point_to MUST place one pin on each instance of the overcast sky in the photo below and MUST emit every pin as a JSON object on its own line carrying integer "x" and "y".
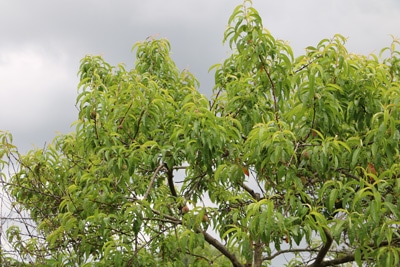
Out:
{"x": 42, "y": 42}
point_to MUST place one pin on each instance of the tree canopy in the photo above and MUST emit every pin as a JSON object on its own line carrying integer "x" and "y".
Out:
{"x": 294, "y": 156}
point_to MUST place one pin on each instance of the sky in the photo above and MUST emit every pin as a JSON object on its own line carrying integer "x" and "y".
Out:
{"x": 43, "y": 41}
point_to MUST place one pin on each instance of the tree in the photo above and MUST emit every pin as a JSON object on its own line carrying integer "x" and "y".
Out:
{"x": 295, "y": 156}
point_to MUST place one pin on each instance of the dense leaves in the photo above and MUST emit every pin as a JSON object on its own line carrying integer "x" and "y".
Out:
{"x": 295, "y": 156}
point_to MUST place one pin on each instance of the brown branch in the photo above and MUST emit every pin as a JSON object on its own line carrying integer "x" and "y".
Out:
{"x": 258, "y": 249}
{"x": 351, "y": 257}
{"x": 170, "y": 176}
{"x": 335, "y": 262}
{"x": 171, "y": 219}
{"x": 296, "y": 250}
{"x": 126, "y": 113}
{"x": 138, "y": 123}
{"x": 215, "y": 100}
{"x": 209, "y": 238}
{"x": 180, "y": 167}
{"x": 255, "y": 195}
{"x": 341, "y": 170}
{"x": 146, "y": 244}
{"x": 307, "y": 64}
{"x": 199, "y": 256}
{"x": 324, "y": 250}
{"x": 152, "y": 180}
{"x": 264, "y": 65}
{"x": 294, "y": 153}
{"x": 221, "y": 248}
{"x": 312, "y": 123}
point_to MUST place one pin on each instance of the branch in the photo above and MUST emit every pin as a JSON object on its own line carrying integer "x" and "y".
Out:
{"x": 209, "y": 238}
{"x": 312, "y": 123}
{"x": 351, "y": 257}
{"x": 296, "y": 250}
{"x": 171, "y": 219}
{"x": 221, "y": 248}
{"x": 126, "y": 113}
{"x": 323, "y": 251}
{"x": 152, "y": 181}
{"x": 294, "y": 152}
{"x": 258, "y": 250}
{"x": 215, "y": 100}
{"x": 255, "y": 195}
{"x": 180, "y": 167}
{"x": 199, "y": 256}
{"x": 138, "y": 123}
{"x": 170, "y": 176}
{"x": 307, "y": 64}
{"x": 341, "y": 170}
{"x": 275, "y": 98}
{"x": 335, "y": 262}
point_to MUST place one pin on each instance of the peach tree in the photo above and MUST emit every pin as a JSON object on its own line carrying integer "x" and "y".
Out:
{"x": 291, "y": 156}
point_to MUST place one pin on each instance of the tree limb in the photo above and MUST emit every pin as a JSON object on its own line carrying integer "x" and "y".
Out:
{"x": 257, "y": 258}
{"x": 221, "y": 248}
{"x": 210, "y": 240}
{"x": 351, "y": 257}
{"x": 170, "y": 176}
{"x": 335, "y": 262}
{"x": 323, "y": 251}
{"x": 255, "y": 195}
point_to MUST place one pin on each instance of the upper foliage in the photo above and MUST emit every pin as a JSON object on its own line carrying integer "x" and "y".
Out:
{"x": 291, "y": 152}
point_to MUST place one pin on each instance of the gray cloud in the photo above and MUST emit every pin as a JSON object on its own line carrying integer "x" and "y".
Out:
{"x": 43, "y": 41}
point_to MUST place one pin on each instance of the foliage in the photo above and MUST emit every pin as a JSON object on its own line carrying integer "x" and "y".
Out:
{"x": 292, "y": 156}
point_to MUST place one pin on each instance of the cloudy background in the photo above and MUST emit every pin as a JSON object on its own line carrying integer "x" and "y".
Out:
{"x": 42, "y": 42}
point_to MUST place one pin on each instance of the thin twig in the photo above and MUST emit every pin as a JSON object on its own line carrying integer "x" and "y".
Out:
{"x": 126, "y": 113}
{"x": 295, "y": 250}
{"x": 138, "y": 123}
{"x": 294, "y": 153}
{"x": 153, "y": 178}
{"x": 216, "y": 98}
{"x": 264, "y": 68}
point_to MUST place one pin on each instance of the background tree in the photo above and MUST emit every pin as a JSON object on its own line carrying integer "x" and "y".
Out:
{"x": 291, "y": 156}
